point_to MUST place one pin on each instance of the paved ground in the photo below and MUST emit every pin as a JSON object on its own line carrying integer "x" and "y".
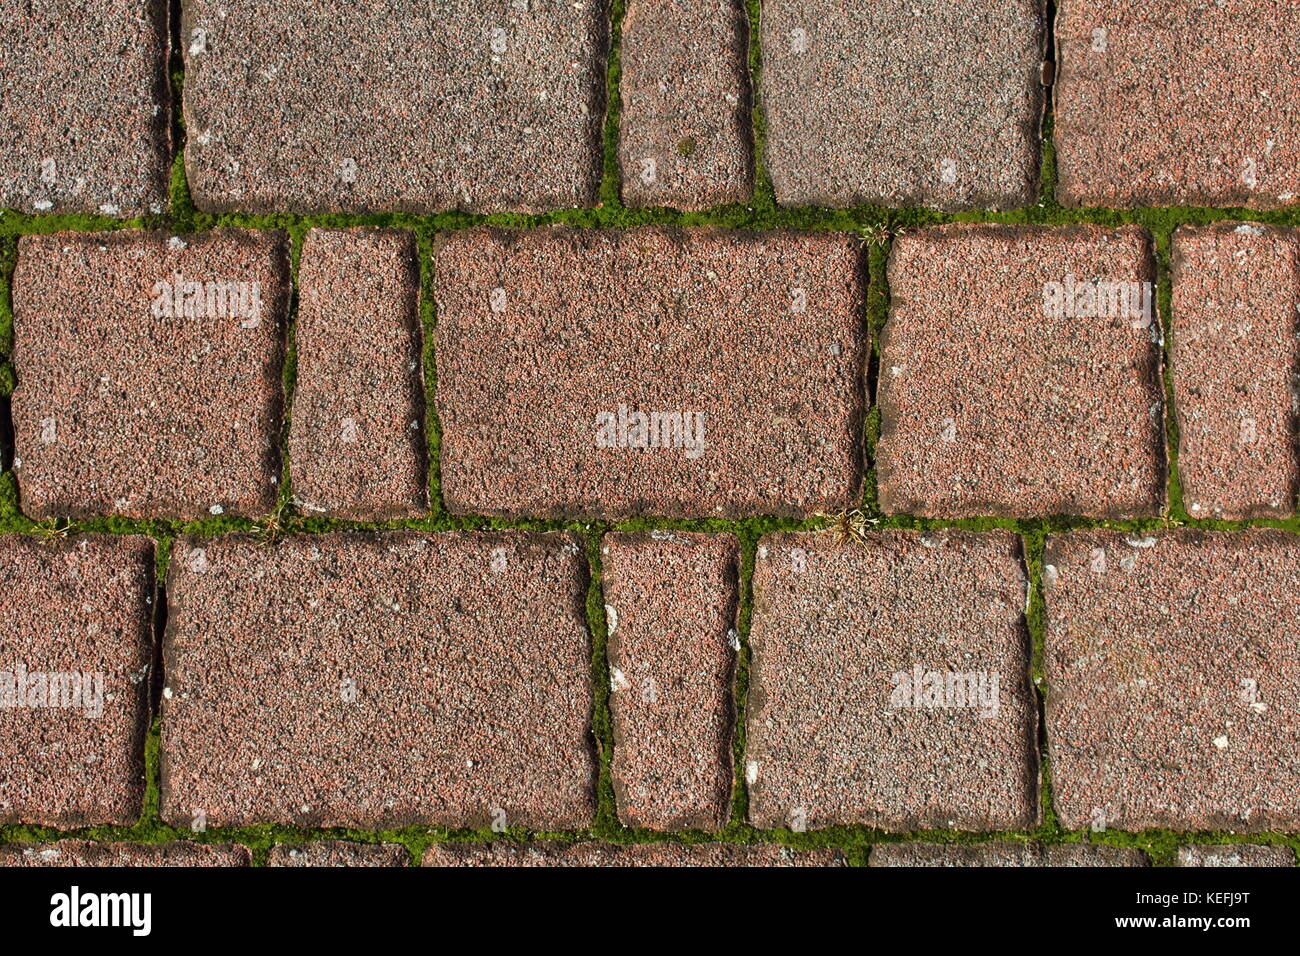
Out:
{"x": 338, "y": 853}
{"x": 1005, "y": 854}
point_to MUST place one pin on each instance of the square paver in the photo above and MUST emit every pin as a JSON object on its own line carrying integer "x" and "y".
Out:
{"x": 1020, "y": 374}
{"x": 684, "y": 130}
{"x": 85, "y": 853}
{"x": 378, "y": 680}
{"x": 1005, "y": 854}
{"x": 1236, "y": 365}
{"x": 682, "y": 373}
{"x": 626, "y": 854}
{"x": 76, "y": 650}
{"x": 312, "y": 107}
{"x": 1235, "y": 855}
{"x": 890, "y": 683}
{"x": 1173, "y": 678}
{"x": 338, "y": 853}
{"x": 1178, "y": 103}
{"x": 670, "y": 606}
{"x": 896, "y": 103}
{"x": 356, "y": 440}
{"x": 148, "y": 373}
{"x": 85, "y": 116}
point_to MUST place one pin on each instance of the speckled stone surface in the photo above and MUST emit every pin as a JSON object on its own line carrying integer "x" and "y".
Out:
{"x": 1236, "y": 358}
{"x": 338, "y": 853}
{"x": 551, "y": 341}
{"x": 684, "y": 130}
{"x": 356, "y": 439}
{"x": 993, "y": 404}
{"x": 1005, "y": 854}
{"x": 889, "y": 683}
{"x": 76, "y": 646}
{"x": 123, "y": 409}
{"x": 670, "y": 607}
{"x": 1235, "y": 855}
{"x": 87, "y": 853}
{"x": 84, "y": 118}
{"x": 632, "y": 854}
{"x": 311, "y": 107}
{"x": 897, "y": 103}
{"x": 1173, "y": 676}
{"x": 1178, "y": 104}
{"x": 378, "y": 680}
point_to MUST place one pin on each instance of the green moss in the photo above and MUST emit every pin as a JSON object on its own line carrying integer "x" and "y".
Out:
{"x": 685, "y": 147}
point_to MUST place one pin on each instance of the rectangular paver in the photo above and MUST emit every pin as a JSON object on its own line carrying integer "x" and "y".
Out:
{"x": 1173, "y": 678}
{"x": 1006, "y": 854}
{"x": 1236, "y": 365}
{"x": 378, "y": 680}
{"x": 76, "y": 649}
{"x": 338, "y": 853}
{"x": 1178, "y": 104}
{"x": 1235, "y": 855}
{"x": 649, "y": 371}
{"x": 85, "y": 853}
{"x": 670, "y": 607}
{"x": 308, "y": 107}
{"x": 356, "y": 441}
{"x": 684, "y": 130}
{"x": 630, "y": 854}
{"x": 85, "y": 123}
{"x": 890, "y": 683}
{"x": 897, "y": 103}
{"x": 148, "y": 372}
{"x": 1020, "y": 374}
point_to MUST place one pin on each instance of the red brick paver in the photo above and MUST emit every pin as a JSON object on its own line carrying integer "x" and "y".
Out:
{"x": 1178, "y": 104}
{"x": 311, "y": 107}
{"x": 649, "y": 371}
{"x": 902, "y": 104}
{"x": 890, "y": 684}
{"x": 378, "y": 681}
{"x": 1173, "y": 679}
{"x": 84, "y": 122}
{"x": 1005, "y": 854}
{"x": 994, "y": 401}
{"x": 617, "y": 854}
{"x": 1234, "y": 855}
{"x": 356, "y": 443}
{"x": 1236, "y": 358}
{"x": 338, "y": 853}
{"x": 76, "y": 645}
{"x": 86, "y": 853}
{"x": 684, "y": 133}
{"x": 149, "y": 372}
{"x": 670, "y": 604}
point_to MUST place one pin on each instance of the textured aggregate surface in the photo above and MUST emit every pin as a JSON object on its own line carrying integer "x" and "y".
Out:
{"x": 639, "y": 854}
{"x": 85, "y": 853}
{"x": 338, "y": 853}
{"x": 1005, "y": 854}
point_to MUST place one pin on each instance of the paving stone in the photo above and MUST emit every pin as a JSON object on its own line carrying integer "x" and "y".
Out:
{"x": 1238, "y": 854}
{"x": 670, "y": 603}
{"x": 310, "y": 107}
{"x": 356, "y": 440}
{"x": 1173, "y": 676}
{"x": 1005, "y": 854}
{"x": 1178, "y": 104}
{"x": 631, "y": 854}
{"x": 85, "y": 118}
{"x": 123, "y": 409}
{"x": 87, "y": 853}
{"x": 684, "y": 132}
{"x": 889, "y": 683}
{"x": 76, "y": 648}
{"x": 566, "y": 356}
{"x": 900, "y": 104}
{"x": 378, "y": 681}
{"x": 1236, "y": 292}
{"x": 338, "y": 853}
{"x": 995, "y": 402}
